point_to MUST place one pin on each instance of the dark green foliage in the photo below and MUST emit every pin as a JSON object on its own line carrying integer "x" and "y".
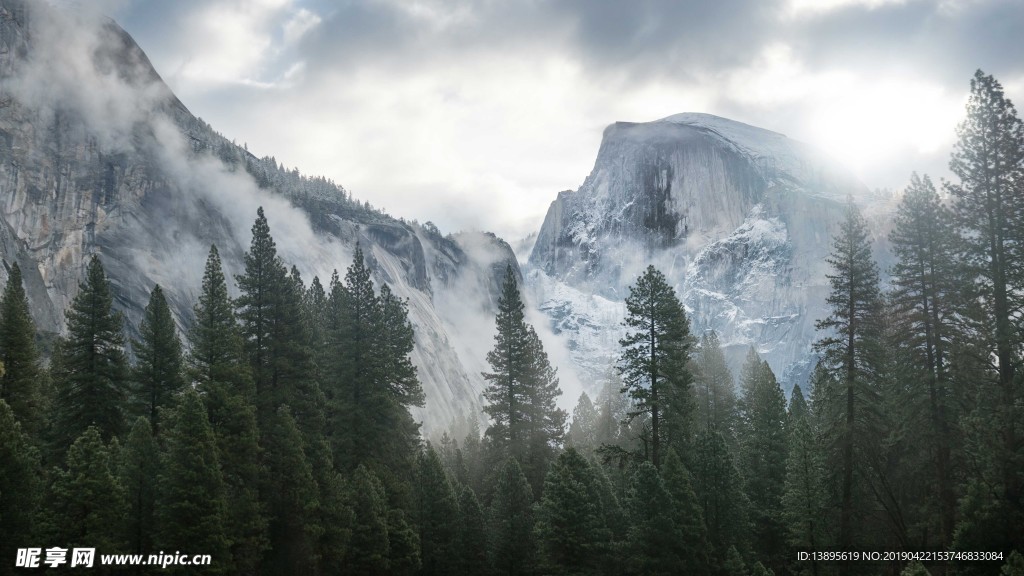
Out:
{"x": 369, "y": 551}
{"x": 734, "y": 564}
{"x": 653, "y": 537}
{"x": 191, "y": 508}
{"x": 437, "y": 515}
{"x": 92, "y": 377}
{"x": 512, "y": 545}
{"x": 86, "y": 504}
{"x": 1014, "y": 565}
{"x": 693, "y": 537}
{"x": 290, "y": 495}
{"x": 926, "y": 282}
{"x": 803, "y": 499}
{"x": 216, "y": 358}
{"x": 20, "y": 489}
{"x": 522, "y": 388}
{"x": 849, "y": 352}
{"x": 763, "y": 450}
{"x": 222, "y": 376}
{"x": 915, "y": 569}
{"x": 719, "y": 489}
{"x": 571, "y": 530}
{"x": 583, "y": 430}
{"x": 372, "y": 382}
{"x": 270, "y": 311}
{"x": 404, "y": 546}
{"x": 654, "y": 361}
{"x": 988, "y": 159}
{"x": 158, "y": 366}
{"x": 716, "y": 407}
{"x": 21, "y": 374}
{"x": 471, "y": 541}
{"x": 140, "y": 464}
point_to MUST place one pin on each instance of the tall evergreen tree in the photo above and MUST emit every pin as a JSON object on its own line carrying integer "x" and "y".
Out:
{"x": 654, "y": 360}
{"x": 191, "y": 508}
{"x": 158, "y": 368}
{"x": 583, "y": 430}
{"x": 988, "y": 159}
{"x": 437, "y": 515}
{"x": 290, "y": 495}
{"x": 571, "y": 530}
{"x": 925, "y": 280}
{"x": 803, "y": 499}
{"x": 716, "y": 407}
{"x": 86, "y": 502}
{"x": 270, "y": 311}
{"x": 217, "y": 366}
{"x": 851, "y": 337}
{"x": 653, "y": 537}
{"x": 763, "y": 453}
{"x": 373, "y": 382}
{"x": 512, "y": 544}
{"x": 92, "y": 381}
{"x": 526, "y": 424}
{"x": 403, "y": 545}
{"x": 719, "y": 488}
{"x": 693, "y": 545}
{"x": 369, "y": 552}
{"x": 139, "y": 467}
{"x": 471, "y": 542}
{"x": 20, "y": 489}
{"x": 19, "y": 381}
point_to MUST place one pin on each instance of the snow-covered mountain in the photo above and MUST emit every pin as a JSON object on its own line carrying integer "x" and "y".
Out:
{"x": 98, "y": 156}
{"x": 738, "y": 218}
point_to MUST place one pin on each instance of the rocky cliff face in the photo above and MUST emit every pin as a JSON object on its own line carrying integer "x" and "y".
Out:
{"x": 98, "y": 156}
{"x": 739, "y": 219}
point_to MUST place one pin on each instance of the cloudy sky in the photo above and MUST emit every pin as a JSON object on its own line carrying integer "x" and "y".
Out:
{"x": 474, "y": 113}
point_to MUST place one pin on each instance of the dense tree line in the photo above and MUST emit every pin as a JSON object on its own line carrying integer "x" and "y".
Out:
{"x": 277, "y": 436}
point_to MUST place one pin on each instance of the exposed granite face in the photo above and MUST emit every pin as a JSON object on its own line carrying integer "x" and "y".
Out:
{"x": 739, "y": 219}
{"x": 98, "y": 156}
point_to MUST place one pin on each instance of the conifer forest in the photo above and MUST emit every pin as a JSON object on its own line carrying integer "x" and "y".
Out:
{"x": 274, "y": 432}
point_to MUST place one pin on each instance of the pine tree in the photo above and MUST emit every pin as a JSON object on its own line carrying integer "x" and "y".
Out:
{"x": 716, "y": 407}
{"x": 693, "y": 536}
{"x": 191, "y": 508}
{"x": 852, "y": 333}
{"x": 290, "y": 495}
{"x": 222, "y": 376}
{"x": 92, "y": 381}
{"x": 803, "y": 499}
{"x": 655, "y": 353}
{"x": 19, "y": 381}
{"x": 369, "y": 549}
{"x": 926, "y": 283}
{"x": 270, "y": 311}
{"x": 512, "y": 545}
{"x": 719, "y": 488}
{"x": 571, "y": 530}
{"x": 471, "y": 543}
{"x": 988, "y": 159}
{"x": 734, "y": 564}
{"x": 158, "y": 369}
{"x": 139, "y": 467}
{"x": 521, "y": 391}
{"x": 653, "y": 537}
{"x": 763, "y": 453}
{"x": 20, "y": 490}
{"x": 373, "y": 382}
{"x": 437, "y": 515}
{"x": 403, "y": 545}
{"x": 86, "y": 502}
{"x": 583, "y": 430}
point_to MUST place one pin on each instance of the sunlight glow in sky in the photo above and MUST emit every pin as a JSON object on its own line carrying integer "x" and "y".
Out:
{"x": 475, "y": 114}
